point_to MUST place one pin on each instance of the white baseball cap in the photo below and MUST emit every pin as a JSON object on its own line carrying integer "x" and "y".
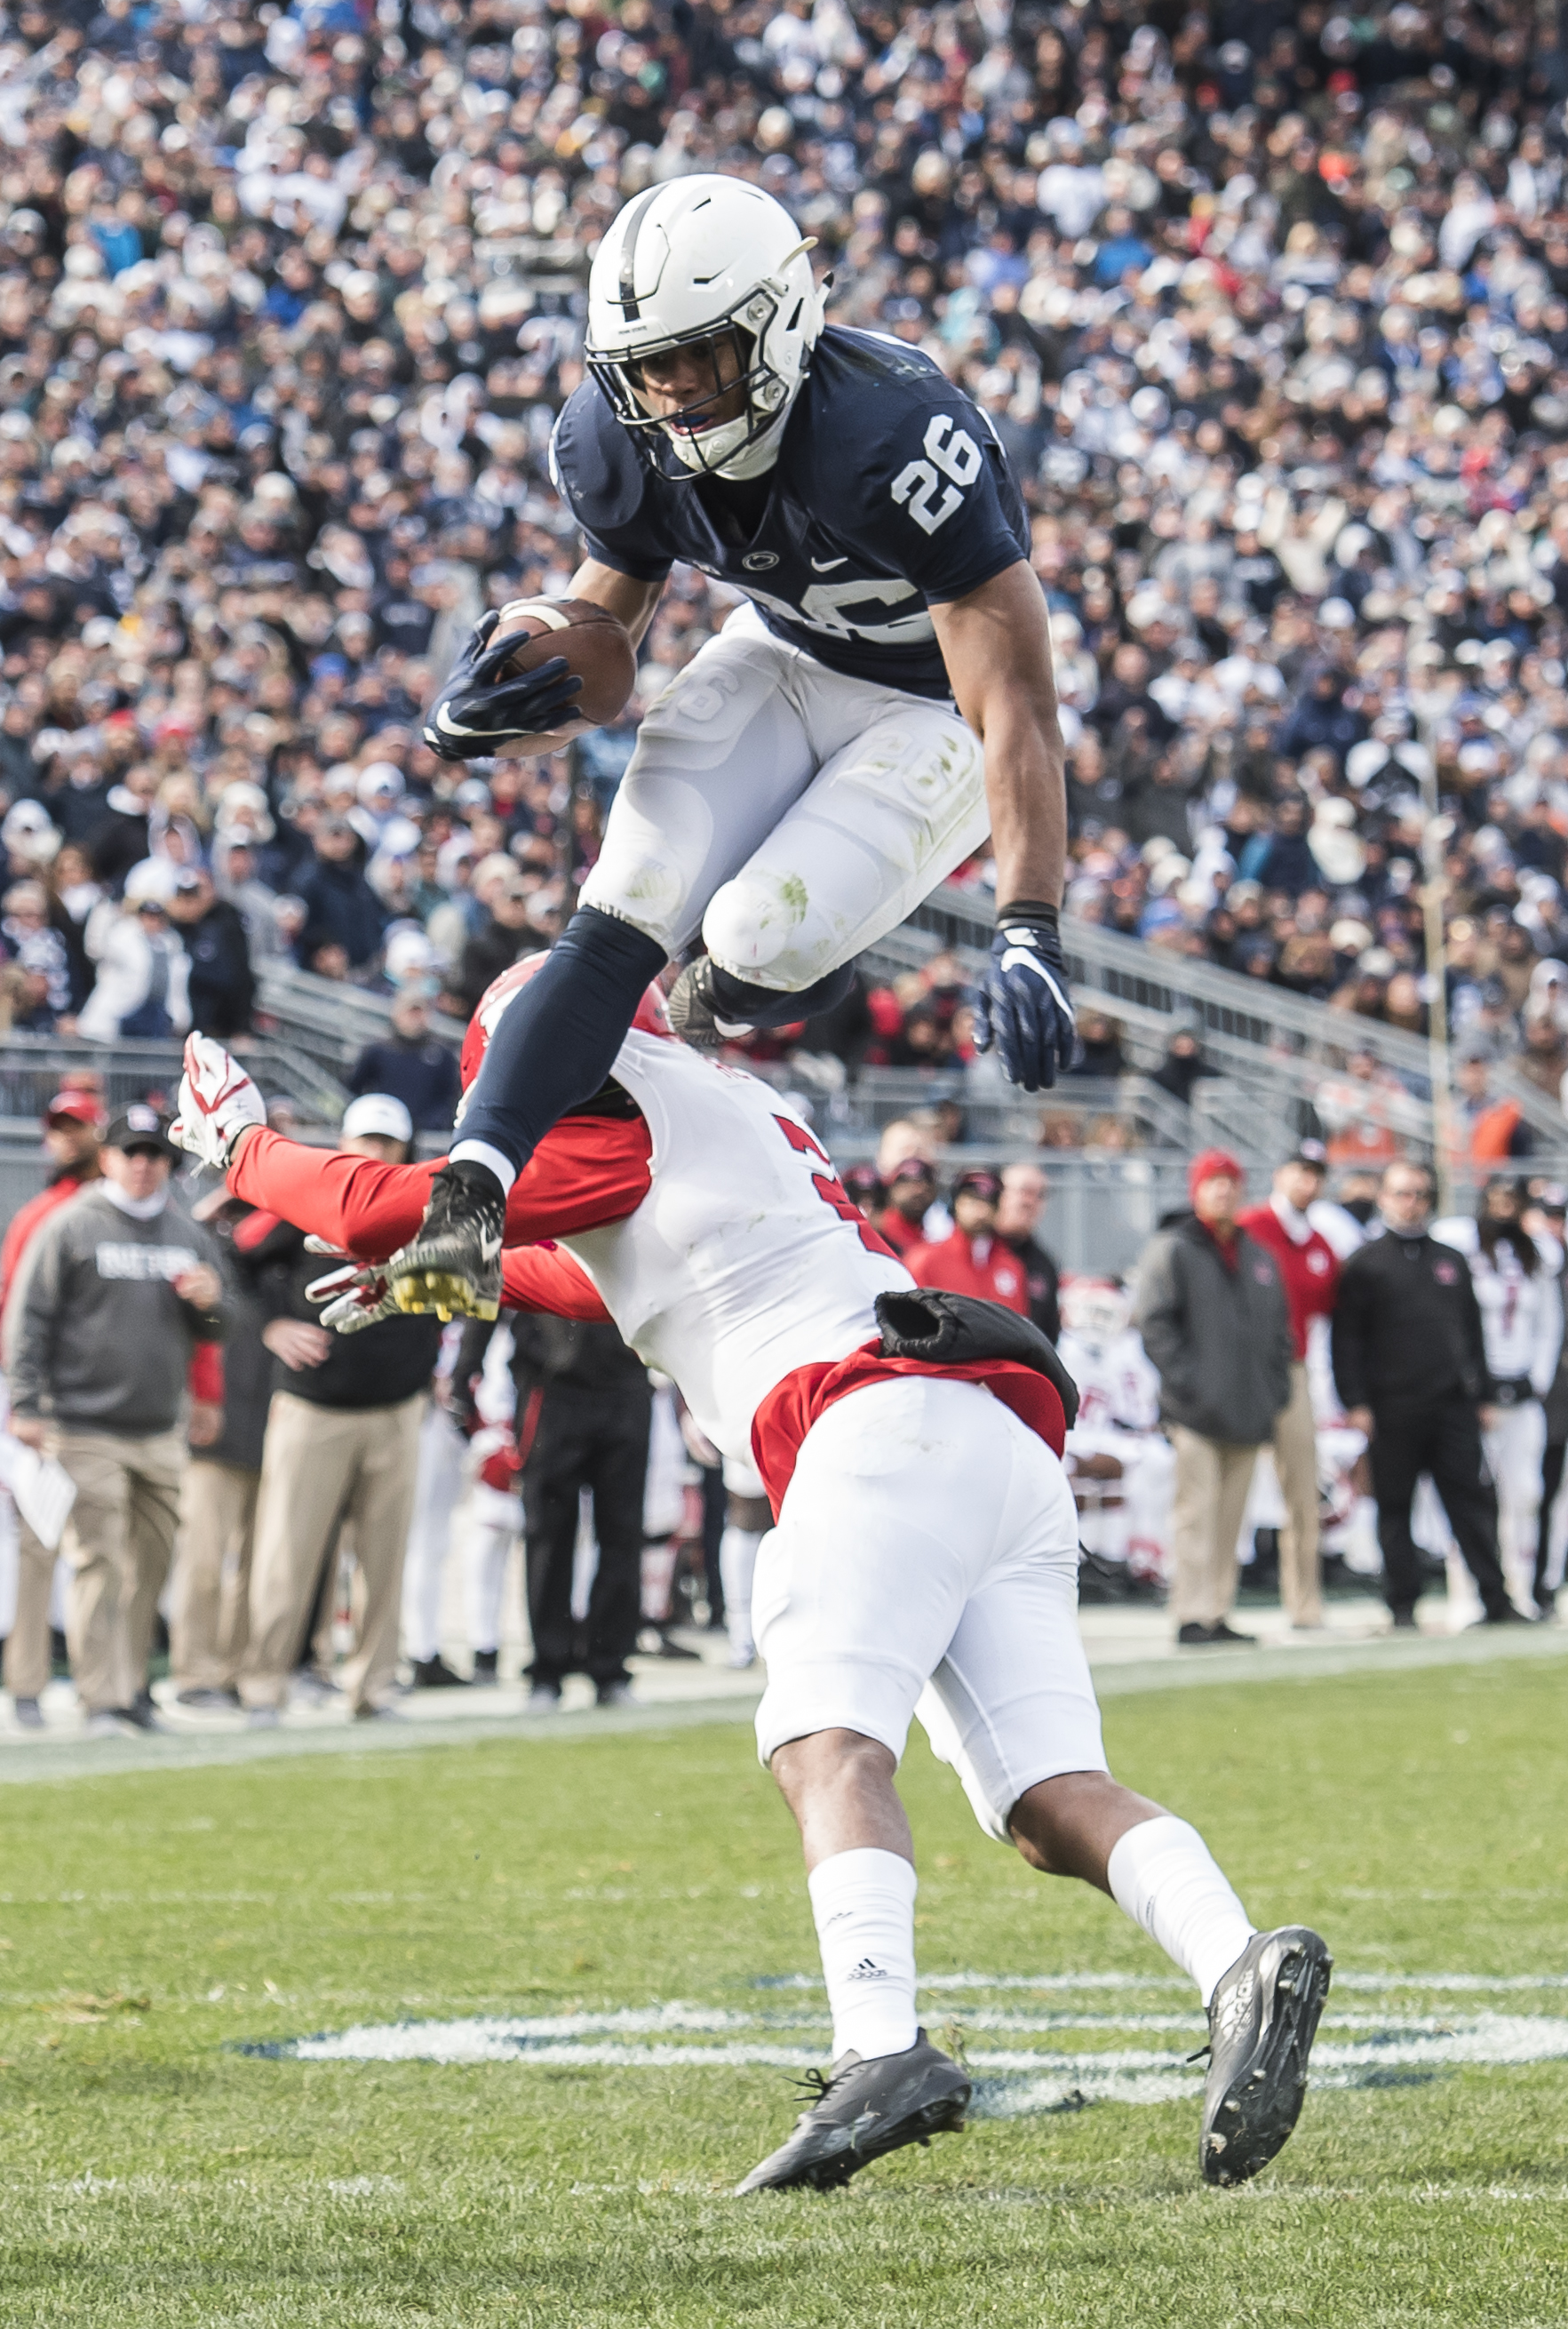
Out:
{"x": 379, "y": 1114}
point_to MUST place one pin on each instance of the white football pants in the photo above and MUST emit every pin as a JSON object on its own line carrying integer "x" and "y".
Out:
{"x": 438, "y": 1489}
{"x": 1515, "y": 1447}
{"x": 925, "y": 1561}
{"x": 794, "y": 816}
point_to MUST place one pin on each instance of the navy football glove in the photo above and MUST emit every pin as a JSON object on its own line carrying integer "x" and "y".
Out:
{"x": 1024, "y": 1008}
{"x": 478, "y": 714}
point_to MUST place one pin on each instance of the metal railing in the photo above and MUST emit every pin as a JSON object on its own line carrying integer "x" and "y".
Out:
{"x": 33, "y": 1069}
{"x": 330, "y": 1021}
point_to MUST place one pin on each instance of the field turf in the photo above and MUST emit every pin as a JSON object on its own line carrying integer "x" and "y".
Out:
{"x": 152, "y": 1924}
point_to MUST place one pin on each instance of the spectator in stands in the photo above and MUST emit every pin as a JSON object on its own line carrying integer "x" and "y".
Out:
{"x": 340, "y": 1449}
{"x": 210, "y": 1583}
{"x": 1491, "y": 1130}
{"x": 1309, "y": 1273}
{"x": 1409, "y": 1366}
{"x": 974, "y": 1259}
{"x": 117, "y": 1288}
{"x": 414, "y": 1066}
{"x": 1215, "y": 1323}
{"x": 142, "y": 971}
{"x": 1025, "y": 1192}
{"x": 502, "y": 938}
{"x": 342, "y": 912}
{"x": 73, "y": 1125}
{"x": 220, "y": 982}
{"x": 1183, "y": 1065}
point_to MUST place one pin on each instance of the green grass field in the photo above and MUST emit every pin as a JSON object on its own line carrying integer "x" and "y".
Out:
{"x": 152, "y": 1923}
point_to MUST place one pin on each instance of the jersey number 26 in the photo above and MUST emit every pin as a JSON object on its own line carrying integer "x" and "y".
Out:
{"x": 955, "y": 454}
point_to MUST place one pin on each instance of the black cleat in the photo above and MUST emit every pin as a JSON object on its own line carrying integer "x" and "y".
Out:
{"x": 1261, "y": 2022}
{"x": 693, "y": 1013}
{"x": 862, "y": 2111}
{"x": 453, "y": 1265}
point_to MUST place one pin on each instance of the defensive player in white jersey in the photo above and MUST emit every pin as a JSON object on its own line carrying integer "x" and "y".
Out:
{"x": 1122, "y": 1467}
{"x": 1516, "y": 1285}
{"x": 884, "y": 698}
{"x": 925, "y": 1551}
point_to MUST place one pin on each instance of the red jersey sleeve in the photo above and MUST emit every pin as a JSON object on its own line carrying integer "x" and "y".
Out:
{"x": 588, "y": 1171}
{"x": 543, "y": 1277}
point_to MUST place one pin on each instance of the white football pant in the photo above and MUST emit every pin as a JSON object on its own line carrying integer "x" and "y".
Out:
{"x": 926, "y": 1561}
{"x": 437, "y": 1490}
{"x": 1515, "y": 1446}
{"x": 792, "y": 814}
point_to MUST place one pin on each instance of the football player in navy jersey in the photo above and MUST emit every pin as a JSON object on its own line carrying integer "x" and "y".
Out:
{"x": 883, "y": 700}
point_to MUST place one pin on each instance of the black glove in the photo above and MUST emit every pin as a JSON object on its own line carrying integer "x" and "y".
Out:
{"x": 478, "y": 714}
{"x": 1024, "y": 1006}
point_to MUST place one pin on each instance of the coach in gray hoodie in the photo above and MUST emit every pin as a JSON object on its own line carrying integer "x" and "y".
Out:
{"x": 117, "y": 1291}
{"x": 1214, "y": 1323}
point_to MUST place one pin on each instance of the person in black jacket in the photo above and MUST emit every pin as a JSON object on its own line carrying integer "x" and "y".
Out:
{"x": 583, "y": 1406}
{"x": 1411, "y": 1368}
{"x": 1024, "y": 1192}
{"x": 342, "y": 1444}
{"x": 223, "y": 986}
{"x": 413, "y": 1065}
{"x": 342, "y": 910}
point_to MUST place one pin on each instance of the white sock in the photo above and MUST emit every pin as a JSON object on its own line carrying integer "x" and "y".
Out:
{"x": 864, "y": 1905}
{"x": 480, "y": 1152}
{"x": 1163, "y": 1874}
{"x": 736, "y": 1562}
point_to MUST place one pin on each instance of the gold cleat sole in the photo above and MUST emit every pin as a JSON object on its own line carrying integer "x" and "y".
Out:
{"x": 427, "y": 1292}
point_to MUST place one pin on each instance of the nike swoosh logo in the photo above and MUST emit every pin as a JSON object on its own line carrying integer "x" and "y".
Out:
{"x": 826, "y": 565}
{"x": 489, "y": 1247}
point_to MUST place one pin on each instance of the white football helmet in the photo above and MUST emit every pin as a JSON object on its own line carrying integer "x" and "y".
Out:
{"x": 1095, "y": 1310}
{"x": 682, "y": 264}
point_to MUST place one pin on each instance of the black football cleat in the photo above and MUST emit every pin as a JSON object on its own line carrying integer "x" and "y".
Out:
{"x": 1261, "y": 2022}
{"x": 693, "y": 1013}
{"x": 862, "y": 2111}
{"x": 453, "y": 1265}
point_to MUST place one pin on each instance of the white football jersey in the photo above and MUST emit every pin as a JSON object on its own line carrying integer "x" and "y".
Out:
{"x": 1116, "y": 1386}
{"x": 747, "y": 1258}
{"x": 1521, "y": 1316}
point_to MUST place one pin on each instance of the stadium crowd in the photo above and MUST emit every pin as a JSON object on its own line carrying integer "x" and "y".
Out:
{"x": 1270, "y": 309}
{"x": 1270, "y": 306}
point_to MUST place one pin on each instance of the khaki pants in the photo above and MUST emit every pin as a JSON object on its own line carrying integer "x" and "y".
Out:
{"x": 1296, "y": 1462}
{"x": 28, "y": 1657}
{"x": 321, "y": 1466}
{"x": 1212, "y": 1480}
{"x": 210, "y": 1598}
{"x": 121, "y": 1536}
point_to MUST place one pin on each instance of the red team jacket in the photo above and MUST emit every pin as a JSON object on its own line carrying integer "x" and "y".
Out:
{"x": 1309, "y": 1273}
{"x": 981, "y": 1266}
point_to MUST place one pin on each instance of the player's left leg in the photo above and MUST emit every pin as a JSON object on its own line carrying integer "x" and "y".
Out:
{"x": 1013, "y": 1708}
{"x": 892, "y": 812}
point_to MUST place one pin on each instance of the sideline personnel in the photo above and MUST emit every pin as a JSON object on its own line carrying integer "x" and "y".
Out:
{"x": 116, "y": 1290}
{"x": 1309, "y": 1273}
{"x": 1411, "y": 1368}
{"x": 1212, "y": 1314}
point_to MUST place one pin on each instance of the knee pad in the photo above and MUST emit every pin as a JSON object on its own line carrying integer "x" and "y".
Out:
{"x": 763, "y": 922}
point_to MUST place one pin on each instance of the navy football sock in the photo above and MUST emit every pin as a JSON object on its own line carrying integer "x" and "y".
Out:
{"x": 743, "y": 1004}
{"x": 556, "y": 1042}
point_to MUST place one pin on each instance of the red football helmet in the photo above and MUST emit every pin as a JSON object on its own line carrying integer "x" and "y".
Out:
{"x": 651, "y": 1016}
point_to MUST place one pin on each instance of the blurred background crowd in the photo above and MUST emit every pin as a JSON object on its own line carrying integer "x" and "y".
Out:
{"x": 1269, "y": 306}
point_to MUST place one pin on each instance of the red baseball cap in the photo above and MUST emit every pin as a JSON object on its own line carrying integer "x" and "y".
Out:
{"x": 81, "y": 1106}
{"x": 1210, "y": 1164}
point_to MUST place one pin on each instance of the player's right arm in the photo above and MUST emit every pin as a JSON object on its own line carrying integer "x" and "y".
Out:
{"x": 631, "y": 602}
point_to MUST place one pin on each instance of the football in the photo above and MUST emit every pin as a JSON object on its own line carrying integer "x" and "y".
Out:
{"x": 595, "y": 645}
